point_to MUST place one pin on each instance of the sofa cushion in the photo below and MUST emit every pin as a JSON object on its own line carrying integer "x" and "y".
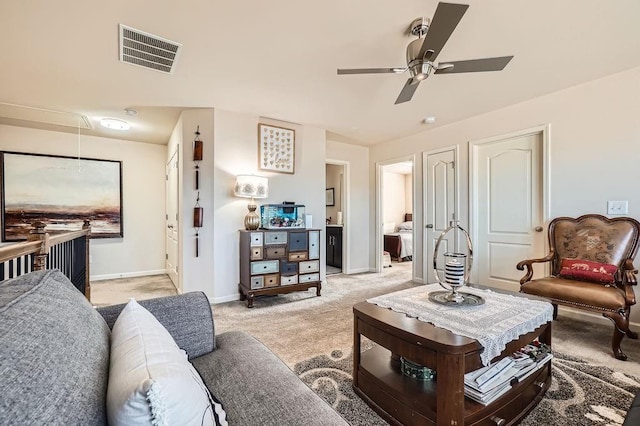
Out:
{"x": 187, "y": 318}
{"x": 54, "y": 353}
{"x": 586, "y": 270}
{"x": 258, "y": 388}
{"x": 150, "y": 379}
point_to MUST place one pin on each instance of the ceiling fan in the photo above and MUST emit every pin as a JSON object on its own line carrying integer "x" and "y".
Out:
{"x": 422, "y": 53}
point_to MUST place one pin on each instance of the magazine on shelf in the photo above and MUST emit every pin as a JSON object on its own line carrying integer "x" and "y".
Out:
{"x": 488, "y": 398}
{"x": 499, "y": 379}
{"x": 494, "y": 370}
{"x": 488, "y": 383}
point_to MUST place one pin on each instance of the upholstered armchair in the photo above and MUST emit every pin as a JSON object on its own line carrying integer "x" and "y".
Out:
{"x": 591, "y": 266}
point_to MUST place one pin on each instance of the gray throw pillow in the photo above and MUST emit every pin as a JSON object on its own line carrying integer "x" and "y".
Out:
{"x": 54, "y": 353}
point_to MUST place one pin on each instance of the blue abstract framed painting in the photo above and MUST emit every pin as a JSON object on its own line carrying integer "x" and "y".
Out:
{"x": 61, "y": 192}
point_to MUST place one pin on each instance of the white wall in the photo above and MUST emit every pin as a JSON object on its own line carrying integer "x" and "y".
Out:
{"x": 194, "y": 273}
{"x": 594, "y": 147}
{"x": 236, "y": 152}
{"x": 394, "y": 199}
{"x": 141, "y": 251}
{"x": 408, "y": 193}
{"x": 357, "y": 205}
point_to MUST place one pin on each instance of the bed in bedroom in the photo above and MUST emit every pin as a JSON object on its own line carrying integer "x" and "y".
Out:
{"x": 398, "y": 240}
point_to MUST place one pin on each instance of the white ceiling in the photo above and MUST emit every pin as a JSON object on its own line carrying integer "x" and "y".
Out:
{"x": 278, "y": 59}
{"x": 402, "y": 168}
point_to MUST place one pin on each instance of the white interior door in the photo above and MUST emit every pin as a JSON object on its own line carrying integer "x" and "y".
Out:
{"x": 440, "y": 188}
{"x": 173, "y": 230}
{"x": 509, "y": 205}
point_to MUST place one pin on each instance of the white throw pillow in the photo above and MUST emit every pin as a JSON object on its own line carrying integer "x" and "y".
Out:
{"x": 151, "y": 381}
{"x": 405, "y": 226}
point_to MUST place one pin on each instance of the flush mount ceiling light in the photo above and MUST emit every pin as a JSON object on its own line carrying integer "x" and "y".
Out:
{"x": 429, "y": 120}
{"x": 114, "y": 124}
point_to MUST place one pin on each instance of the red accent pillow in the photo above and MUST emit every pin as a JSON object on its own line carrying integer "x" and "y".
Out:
{"x": 587, "y": 270}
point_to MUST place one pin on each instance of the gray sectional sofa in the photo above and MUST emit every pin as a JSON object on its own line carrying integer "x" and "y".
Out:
{"x": 54, "y": 359}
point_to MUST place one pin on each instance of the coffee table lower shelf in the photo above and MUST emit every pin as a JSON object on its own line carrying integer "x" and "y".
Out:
{"x": 403, "y": 400}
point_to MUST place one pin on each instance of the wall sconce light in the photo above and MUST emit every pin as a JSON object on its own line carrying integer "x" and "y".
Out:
{"x": 251, "y": 186}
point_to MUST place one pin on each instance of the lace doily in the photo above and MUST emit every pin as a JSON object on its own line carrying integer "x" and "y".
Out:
{"x": 501, "y": 319}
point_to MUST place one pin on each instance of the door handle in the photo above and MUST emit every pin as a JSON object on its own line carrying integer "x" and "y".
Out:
{"x": 429, "y": 226}
{"x": 538, "y": 228}
{"x": 170, "y": 226}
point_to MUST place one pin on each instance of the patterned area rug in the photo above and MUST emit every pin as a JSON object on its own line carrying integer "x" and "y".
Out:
{"x": 580, "y": 393}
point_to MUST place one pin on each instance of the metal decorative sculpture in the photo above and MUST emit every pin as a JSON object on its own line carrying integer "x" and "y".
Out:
{"x": 457, "y": 267}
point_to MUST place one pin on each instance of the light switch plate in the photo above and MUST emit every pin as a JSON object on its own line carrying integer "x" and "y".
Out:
{"x": 617, "y": 207}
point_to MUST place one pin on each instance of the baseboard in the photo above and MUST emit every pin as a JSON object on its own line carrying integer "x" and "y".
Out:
{"x": 126, "y": 275}
{"x": 587, "y": 316}
{"x": 358, "y": 271}
{"x": 229, "y": 298}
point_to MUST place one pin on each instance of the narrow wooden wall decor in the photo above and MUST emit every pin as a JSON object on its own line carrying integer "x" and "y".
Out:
{"x": 197, "y": 155}
{"x": 198, "y": 212}
{"x": 198, "y": 218}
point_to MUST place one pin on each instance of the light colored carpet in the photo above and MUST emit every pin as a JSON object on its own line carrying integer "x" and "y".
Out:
{"x": 113, "y": 292}
{"x": 299, "y": 325}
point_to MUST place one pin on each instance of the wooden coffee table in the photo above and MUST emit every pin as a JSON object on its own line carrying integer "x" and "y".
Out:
{"x": 402, "y": 400}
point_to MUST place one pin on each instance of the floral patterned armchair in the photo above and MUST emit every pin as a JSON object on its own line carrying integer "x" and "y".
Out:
{"x": 591, "y": 259}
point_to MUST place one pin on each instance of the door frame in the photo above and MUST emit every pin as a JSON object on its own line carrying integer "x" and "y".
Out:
{"x": 175, "y": 154}
{"x": 346, "y": 207}
{"x": 545, "y": 131}
{"x": 427, "y": 260}
{"x": 380, "y": 213}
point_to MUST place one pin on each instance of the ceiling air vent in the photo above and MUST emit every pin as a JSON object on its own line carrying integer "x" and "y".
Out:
{"x": 148, "y": 50}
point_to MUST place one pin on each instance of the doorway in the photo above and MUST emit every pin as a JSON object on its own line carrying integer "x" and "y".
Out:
{"x": 395, "y": 195}
{"x": 336, "y": 178}
{"x": 509, "y": 204}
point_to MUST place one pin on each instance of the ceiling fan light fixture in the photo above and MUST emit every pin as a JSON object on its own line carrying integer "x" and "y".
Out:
{"x": 423, "y": 52}
{"x": 420, "y": 70}
{"x": 114, "y": 124}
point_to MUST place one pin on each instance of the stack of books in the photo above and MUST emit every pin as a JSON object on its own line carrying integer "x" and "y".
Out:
{"x": 489, "y": 383}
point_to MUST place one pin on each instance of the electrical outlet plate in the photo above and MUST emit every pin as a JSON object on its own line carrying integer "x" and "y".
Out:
{"x": 617, "y": 207}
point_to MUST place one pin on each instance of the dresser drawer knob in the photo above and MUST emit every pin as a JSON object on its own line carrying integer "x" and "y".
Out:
{"x": 499, "y": 421}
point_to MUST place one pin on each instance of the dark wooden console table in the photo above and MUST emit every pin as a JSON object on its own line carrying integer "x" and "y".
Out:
{"x": 402, "y": 400}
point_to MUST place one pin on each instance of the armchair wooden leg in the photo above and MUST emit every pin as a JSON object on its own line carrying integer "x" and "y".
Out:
{"x": 632, "y": 334}
{"x": 620, "y": 329}
{"x": 615, "y": 345}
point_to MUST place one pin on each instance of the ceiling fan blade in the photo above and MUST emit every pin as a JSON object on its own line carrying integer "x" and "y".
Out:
{"x": 474, "y": 65}
{"x": 442, "y": 25}
{"x": 342, "y": 71}
{"x": 407, "y": 91}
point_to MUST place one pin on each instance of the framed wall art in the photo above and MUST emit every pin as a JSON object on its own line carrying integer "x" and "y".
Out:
{"x": 276, "y": 149}
{"x": 61, "y": 192}
{"x": 329, "y": 197}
